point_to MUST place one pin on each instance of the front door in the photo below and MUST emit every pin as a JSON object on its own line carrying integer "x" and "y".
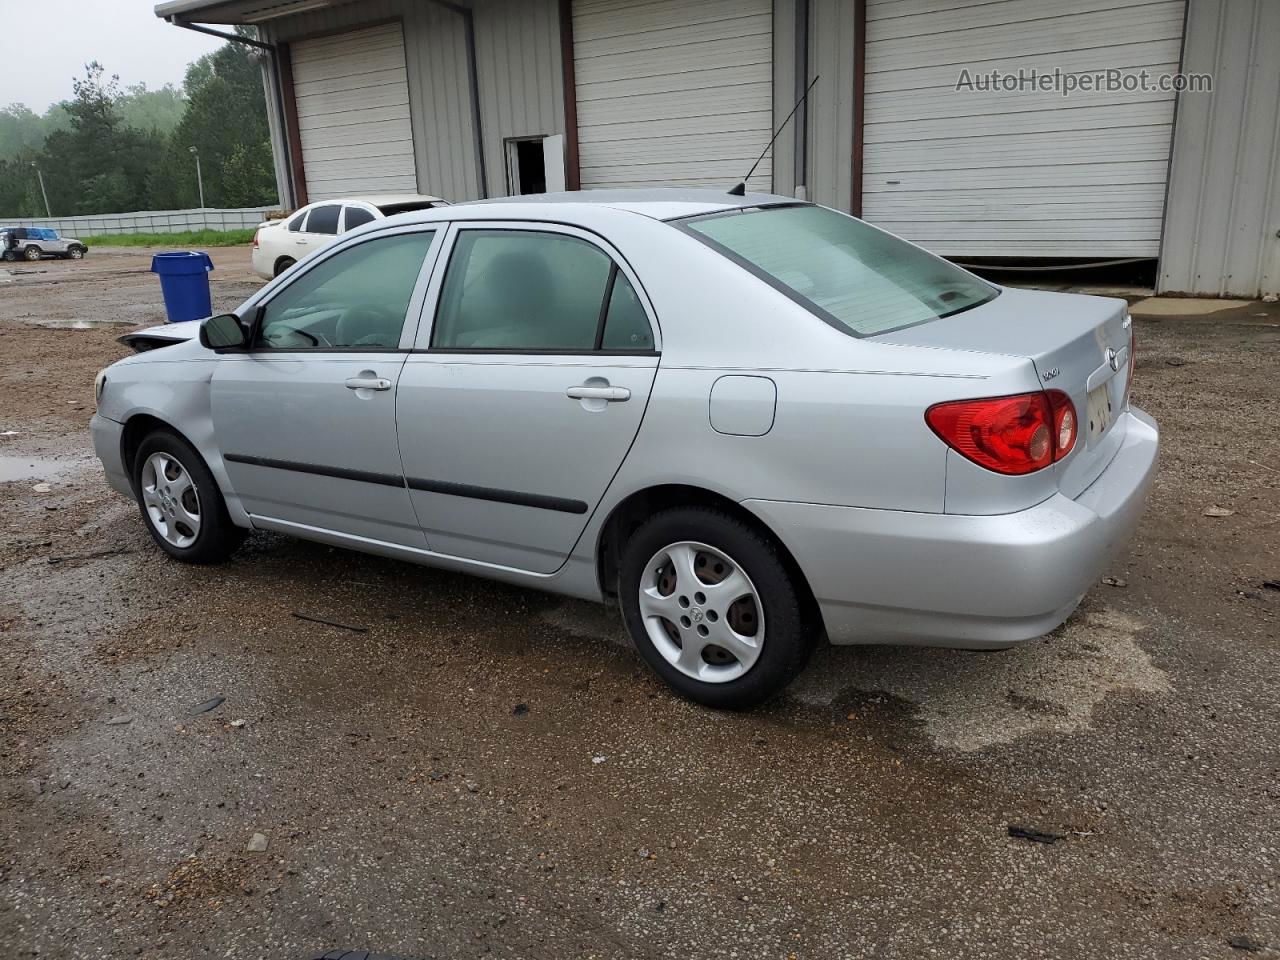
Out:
{"x": 526, "y": 393}
{"x": 306, "y": 418}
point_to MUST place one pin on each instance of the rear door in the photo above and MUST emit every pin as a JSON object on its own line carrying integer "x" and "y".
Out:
{"x": 525, "y": 392}
{"x": 306, "y": 419}
{"x": 320, "y": 229}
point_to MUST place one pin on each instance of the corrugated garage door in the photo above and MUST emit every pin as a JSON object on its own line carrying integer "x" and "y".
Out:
{"x": 673, "y": 92}
{"x": 1022, "y": 174}
{"x": 353, "y": 113}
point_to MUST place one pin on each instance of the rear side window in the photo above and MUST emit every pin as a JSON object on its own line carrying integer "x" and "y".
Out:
{"x": 626, "y": 325}
{"x": 357, "y": 216}
{"x": 296, "y": 223}
{"x": 324, "y": 219}
{"x": 859, "y": 279}
{"x": 523, "y": 290}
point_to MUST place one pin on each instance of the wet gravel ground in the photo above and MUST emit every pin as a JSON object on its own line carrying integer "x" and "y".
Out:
{"x": 482, "y": 770}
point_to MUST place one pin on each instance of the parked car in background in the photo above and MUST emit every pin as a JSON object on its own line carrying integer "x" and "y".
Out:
{"x": 279, "y": 244}
{"x": 752, "y": 422}
{"x": 33, "y": 243}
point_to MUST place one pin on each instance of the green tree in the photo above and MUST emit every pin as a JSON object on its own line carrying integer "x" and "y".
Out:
{"x": 226, "y": 120}
{"x": 155, "y": 111}
{"x": 112, "y": 151}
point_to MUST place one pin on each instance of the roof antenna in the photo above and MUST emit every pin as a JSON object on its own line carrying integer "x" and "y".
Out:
{"x": 741, "y": 189}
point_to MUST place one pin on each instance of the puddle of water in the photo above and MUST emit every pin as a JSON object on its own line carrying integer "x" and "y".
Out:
{"x": 77, "y": 323}
{"x": 31, "y": 468}
{"x": 970, "y": 701}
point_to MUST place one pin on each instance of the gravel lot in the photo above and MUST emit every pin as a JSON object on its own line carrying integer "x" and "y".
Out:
{"x": 483, "y": 770}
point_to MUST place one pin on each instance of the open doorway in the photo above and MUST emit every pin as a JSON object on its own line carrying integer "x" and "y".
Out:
{"x": 526, "y": 165}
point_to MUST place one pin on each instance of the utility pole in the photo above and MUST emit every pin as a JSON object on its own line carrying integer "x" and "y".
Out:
{"x": 199, "y": 179}
{"x": 40, "y": 177}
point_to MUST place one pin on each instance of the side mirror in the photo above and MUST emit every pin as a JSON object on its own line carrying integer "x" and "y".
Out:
{"x": 223, "y": 332}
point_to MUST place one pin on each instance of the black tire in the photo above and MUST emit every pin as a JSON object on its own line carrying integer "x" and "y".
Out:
{"x": 31, "y": 254}
{"x": 283, "y": 264}
{"x": 217, "y": 537}
{"x": 8, "y": 256}
{"x": 791, "y": 630}
{"x": 76, "y": 253}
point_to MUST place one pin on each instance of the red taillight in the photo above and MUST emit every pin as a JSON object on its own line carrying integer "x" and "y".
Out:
{"x": 255, "y": 237}
{"x": 1011, "y": 435}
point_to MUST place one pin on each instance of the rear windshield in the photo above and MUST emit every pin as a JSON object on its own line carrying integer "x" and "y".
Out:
{"x": 859, "y": 279}
{"x": 391, "y": 209}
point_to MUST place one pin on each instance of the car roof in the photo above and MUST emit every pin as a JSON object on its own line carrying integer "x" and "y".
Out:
{"x": 659, "y": 203}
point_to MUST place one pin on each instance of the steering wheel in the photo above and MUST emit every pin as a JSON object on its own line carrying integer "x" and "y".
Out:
{"x": 368, "y": 325}
{"x": 279, "y": 330}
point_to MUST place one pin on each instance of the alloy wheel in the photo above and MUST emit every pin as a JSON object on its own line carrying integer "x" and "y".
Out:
{"x": 702, "y": 612}
{"x": 171, "y": 499}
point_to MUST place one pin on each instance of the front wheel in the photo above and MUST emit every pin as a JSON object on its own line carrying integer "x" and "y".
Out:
{"x": 713, "y": 608}
{"x": 180, "y": 501}
{"x": 76, "y": 253}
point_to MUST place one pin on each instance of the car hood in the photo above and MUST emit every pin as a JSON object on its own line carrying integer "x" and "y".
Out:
{"x": 162, "y": 336}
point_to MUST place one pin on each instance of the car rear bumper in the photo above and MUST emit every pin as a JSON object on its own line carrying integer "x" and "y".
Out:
{"x": 107, "y": 435}
{"x": 884, "y": 576}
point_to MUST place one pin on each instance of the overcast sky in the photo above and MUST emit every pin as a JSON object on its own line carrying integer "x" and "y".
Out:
{"x": 43, "y": 44}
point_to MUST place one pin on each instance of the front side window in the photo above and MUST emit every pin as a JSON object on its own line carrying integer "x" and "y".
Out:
{"x": 324, "y": 219}
{"x": 524, "y": 290}
{"x": 859, "y": 279}
{"x": 356, "y": 299}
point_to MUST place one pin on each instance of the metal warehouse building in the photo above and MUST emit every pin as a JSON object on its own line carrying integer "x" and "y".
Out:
{"x": 493, "y": 97}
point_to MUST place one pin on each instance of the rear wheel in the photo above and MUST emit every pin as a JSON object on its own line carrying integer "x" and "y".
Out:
{"x": 180, "y": 501}
{"x": 31, "y": 253}
{"x": 712, "y": 606}
{"x": 283, "y": 264}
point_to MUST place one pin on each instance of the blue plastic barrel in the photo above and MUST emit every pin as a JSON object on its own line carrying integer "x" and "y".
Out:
{"x": 184, "y": 281}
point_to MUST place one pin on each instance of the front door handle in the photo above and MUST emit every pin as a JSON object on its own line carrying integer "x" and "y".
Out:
{"x": 608, "y": 394}
{"x": 368, "y": 383}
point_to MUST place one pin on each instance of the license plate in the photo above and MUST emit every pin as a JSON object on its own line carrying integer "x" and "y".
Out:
{"x": 1099, "y": 411}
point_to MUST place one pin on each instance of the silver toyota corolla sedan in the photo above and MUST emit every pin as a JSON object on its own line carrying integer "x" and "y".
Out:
{"x": 751, "y": 422}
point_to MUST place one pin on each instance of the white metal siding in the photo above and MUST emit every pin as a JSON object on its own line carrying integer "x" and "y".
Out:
{"x": 1027, "y": 173}
{"x": 352, "y": 94}
{"x": 521, "y": 81}
{"x": 673, "y": 92}
{"x": 1224, "y": 197}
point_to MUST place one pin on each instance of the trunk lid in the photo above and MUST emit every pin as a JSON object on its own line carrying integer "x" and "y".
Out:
{"x": 1077, "y": 344}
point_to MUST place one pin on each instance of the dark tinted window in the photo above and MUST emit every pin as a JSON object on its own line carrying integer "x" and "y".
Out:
{"x": 296, "y": 223}
{"x": 626, "y": 326}
{"x": 357, "y": 216}
{"x": 355, "y": 299}
{"x": 324, "y": 219}
{"x": 521, "y": 290}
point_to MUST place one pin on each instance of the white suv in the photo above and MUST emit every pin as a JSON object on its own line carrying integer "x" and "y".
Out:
{"x": 279, "y": 244}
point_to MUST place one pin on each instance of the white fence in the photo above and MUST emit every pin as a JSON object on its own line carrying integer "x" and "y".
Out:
{"x": 149, "y": 221}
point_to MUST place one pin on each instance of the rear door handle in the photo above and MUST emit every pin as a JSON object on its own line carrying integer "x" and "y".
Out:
{"x": 608, "y": 394}
{"x": 368, "y": 383}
